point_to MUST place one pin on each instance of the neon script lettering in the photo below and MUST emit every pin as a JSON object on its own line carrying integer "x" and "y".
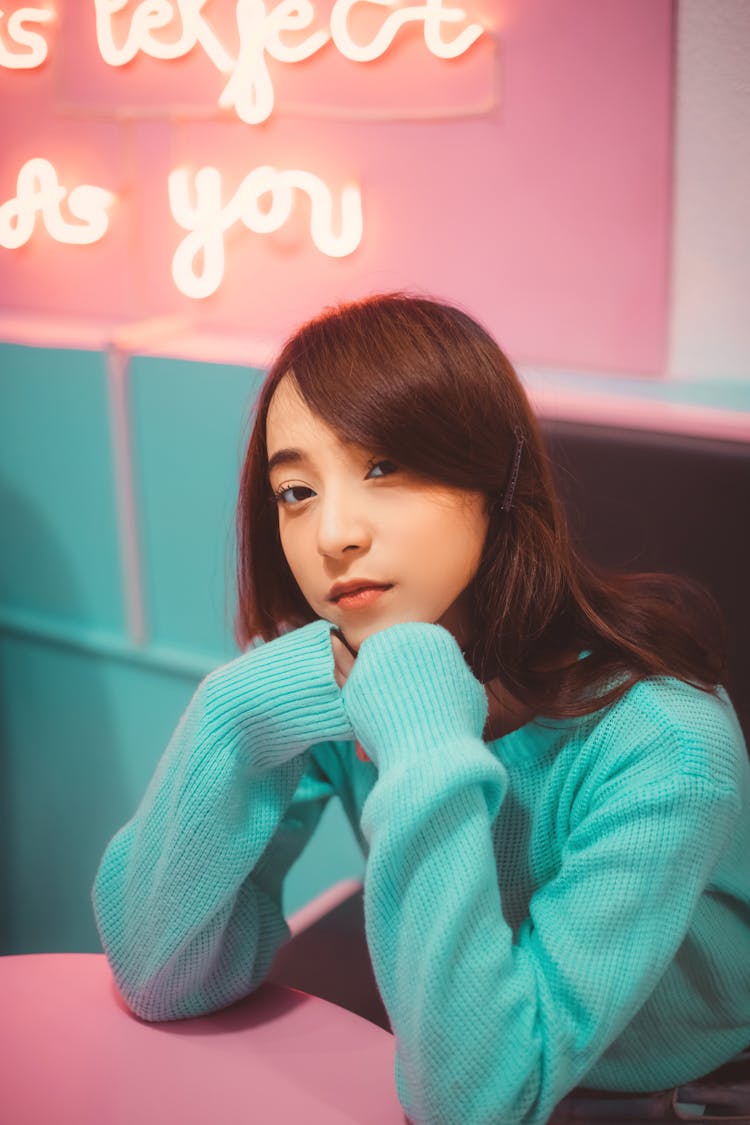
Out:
{"x": 249, "y": 89}
{"x": 39, "y": 193}
{"x": 198, "y": 262}
{"x": 21, "y": 36}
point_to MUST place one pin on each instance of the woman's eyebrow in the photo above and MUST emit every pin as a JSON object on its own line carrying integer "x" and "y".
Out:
{"x": 285, "y": 457}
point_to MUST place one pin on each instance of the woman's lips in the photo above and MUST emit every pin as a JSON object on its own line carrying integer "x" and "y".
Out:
{"x": 363, "y": 598}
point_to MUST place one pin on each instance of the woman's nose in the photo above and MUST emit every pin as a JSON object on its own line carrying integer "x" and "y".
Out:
{"x": 342, "y": 525}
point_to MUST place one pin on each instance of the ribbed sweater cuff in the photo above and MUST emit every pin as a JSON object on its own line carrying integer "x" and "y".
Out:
{"x": 281, "y": 697}
{"x": 411, "y": 691}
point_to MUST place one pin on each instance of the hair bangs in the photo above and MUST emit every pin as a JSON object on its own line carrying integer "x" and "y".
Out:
{"x": 416, "y": 394}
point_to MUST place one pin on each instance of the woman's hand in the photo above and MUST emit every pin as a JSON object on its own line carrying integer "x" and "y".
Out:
{"x": 343, "y": 657}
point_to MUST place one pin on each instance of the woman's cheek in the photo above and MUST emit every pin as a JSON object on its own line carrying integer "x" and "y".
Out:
{"x": 301, "y": 562}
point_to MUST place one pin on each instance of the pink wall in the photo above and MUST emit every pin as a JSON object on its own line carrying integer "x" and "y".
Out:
{"x": 529, "y": 180}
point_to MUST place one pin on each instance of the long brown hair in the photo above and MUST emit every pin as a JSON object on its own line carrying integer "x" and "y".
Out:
{"x": 422, "y": 383}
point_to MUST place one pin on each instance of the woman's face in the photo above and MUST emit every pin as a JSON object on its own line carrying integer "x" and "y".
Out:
{"x": 349, "y": 515}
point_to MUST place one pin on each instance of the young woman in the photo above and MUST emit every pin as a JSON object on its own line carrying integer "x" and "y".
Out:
{"x": 549, "y": 785}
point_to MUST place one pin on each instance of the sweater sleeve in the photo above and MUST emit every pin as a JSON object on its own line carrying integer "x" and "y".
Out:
{"x": 187, "y": 895}
{"x": 492, "y": 1027}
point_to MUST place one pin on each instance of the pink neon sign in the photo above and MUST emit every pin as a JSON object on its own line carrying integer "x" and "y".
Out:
{"x": 527, "y": 177}
{"x": 199, "y": 203}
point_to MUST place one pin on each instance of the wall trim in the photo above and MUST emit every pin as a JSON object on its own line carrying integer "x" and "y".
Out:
{"x": 186, "y": 663}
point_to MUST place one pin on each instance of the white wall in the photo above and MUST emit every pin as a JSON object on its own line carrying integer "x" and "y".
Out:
{"x": 710, "y": 321}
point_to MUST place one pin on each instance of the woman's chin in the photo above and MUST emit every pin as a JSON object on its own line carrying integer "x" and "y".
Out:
{"x": 357, "y": 631}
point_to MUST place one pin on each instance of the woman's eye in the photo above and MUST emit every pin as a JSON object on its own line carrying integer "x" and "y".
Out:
{"x": 382, "y": 468}
{"x": 292, "y": 494}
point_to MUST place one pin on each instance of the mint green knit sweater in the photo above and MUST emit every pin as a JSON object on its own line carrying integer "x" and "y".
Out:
{"x": 569, "y": 904}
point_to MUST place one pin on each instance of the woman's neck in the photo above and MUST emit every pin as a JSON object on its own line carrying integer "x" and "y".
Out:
{"x": 505, "y": 712}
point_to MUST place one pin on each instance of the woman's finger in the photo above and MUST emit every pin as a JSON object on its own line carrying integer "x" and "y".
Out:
{"x": 343, "y": 659}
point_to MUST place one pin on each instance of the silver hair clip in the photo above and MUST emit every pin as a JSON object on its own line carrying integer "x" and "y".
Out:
{"x": 511, "y": 487}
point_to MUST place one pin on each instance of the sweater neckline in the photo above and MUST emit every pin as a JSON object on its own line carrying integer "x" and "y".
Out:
{"x": 532, "y": 739}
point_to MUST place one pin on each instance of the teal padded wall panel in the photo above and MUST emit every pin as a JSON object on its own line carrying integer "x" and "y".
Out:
{"x": 332, "y": 854}
{"x": 80, "y": 737}
{"x": 60, "y": 550}
{"x": 190, "y": 424}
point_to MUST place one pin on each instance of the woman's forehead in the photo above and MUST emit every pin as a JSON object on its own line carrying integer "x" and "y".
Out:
{"x": 292, "y": 427}
{"x": 287, "y": 406}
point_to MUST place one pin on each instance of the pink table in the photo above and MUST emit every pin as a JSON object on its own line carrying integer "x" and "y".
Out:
{"x": 72, "y": 1054}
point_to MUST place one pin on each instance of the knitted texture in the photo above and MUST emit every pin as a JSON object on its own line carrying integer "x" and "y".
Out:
{"x": 569, "y": 904}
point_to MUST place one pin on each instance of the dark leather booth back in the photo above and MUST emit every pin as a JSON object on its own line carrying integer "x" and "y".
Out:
{"x": 639, "y": 500}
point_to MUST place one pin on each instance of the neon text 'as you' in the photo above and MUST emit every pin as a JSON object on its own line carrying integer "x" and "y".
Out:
{"x": 39, "y": 194}
{"x": 198, "y": 262}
